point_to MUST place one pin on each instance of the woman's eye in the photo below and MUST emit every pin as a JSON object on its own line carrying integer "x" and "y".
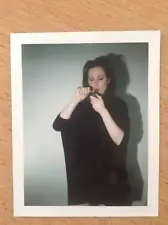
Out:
{"x": 101, "y": 78}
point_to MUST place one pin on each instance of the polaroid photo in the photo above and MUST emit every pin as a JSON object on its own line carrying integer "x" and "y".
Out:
{"x": 85, "y": 123}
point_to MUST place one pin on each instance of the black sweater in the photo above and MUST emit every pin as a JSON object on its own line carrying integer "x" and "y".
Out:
{"x": 95, "y": 165}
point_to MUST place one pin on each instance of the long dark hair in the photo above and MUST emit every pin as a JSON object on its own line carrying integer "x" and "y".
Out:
{"x": 101, "y": 61}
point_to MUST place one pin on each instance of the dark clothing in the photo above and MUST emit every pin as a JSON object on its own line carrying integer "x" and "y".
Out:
{"x": 95, "y": 165}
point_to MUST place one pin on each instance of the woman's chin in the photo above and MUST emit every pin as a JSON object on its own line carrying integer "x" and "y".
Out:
{"x": 101, "y": 92}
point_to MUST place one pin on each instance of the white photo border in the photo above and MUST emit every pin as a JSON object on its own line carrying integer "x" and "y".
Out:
{"x": 152, "y": 37}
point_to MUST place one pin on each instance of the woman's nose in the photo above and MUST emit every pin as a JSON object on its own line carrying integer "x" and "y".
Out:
{"x": 95, "y": 86}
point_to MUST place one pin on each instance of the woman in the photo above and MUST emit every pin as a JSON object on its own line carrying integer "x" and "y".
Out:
{"x": 95, "y": 131}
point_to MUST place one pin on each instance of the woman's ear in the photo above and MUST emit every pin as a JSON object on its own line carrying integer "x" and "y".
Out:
{"x": 108, "y": 80}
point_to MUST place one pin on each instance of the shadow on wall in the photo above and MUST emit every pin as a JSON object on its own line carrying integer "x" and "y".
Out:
{"x": 136, "y": 127}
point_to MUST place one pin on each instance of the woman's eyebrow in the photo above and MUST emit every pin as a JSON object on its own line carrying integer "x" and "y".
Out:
{"x": 91, "y": 77}
{"x": 100, "y": 75}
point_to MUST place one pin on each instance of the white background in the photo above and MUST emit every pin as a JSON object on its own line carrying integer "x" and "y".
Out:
{"x": 50, "y": 75}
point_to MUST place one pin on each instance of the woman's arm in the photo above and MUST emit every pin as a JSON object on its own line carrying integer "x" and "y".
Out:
{"x": 115, "y": 132}
{"x": 80, "y": 94}
{"x": 68, "y": 110}
{"x": 63, "y": 117}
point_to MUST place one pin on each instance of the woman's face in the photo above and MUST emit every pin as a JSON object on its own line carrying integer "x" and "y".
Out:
{"x": 98, "y": 79}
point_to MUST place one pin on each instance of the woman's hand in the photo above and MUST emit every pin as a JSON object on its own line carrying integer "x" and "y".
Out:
{"x": 81, "y": 93}
{"x": 97, "y": 103}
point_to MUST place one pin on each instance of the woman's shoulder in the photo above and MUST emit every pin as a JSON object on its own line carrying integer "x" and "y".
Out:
{"x": 120, "y": 102}
{"x": 81, "y": 109}
{"x": 117, "y": 104}
{"x": 120, "y": 113}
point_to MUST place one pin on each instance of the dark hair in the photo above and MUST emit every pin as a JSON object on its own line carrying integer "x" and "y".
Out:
{"x": 102, "y": 62}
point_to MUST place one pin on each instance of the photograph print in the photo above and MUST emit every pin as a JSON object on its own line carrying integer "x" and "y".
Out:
{"x": 85, "y": 112}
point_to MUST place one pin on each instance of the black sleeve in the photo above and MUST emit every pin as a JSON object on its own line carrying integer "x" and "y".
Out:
{"x": 59, "y": 123}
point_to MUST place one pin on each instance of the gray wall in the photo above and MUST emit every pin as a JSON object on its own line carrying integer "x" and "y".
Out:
{"x": 50, "y": 75}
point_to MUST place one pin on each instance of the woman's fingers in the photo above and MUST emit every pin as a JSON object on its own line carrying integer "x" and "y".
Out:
{"x": 92, "y": 99}
{"x": 85, "y": 91}
{"x": 99, "y": 97}
{"x": 82, "y": 93}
